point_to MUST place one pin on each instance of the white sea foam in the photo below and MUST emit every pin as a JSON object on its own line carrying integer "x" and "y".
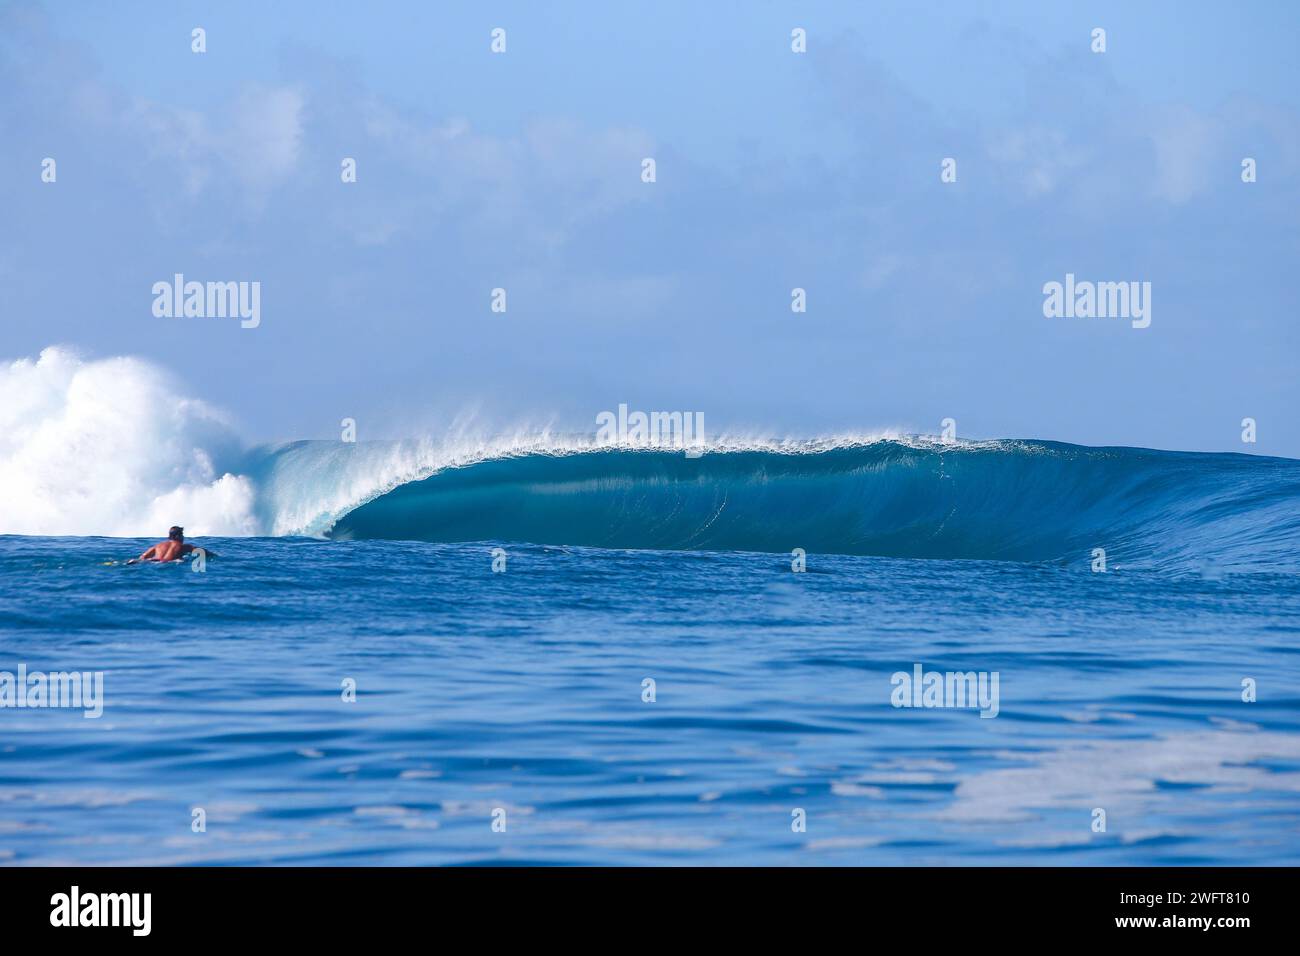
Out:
{"x": 111, "y": 447}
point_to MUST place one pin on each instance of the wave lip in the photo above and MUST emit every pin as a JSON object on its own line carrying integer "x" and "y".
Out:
{"x": 1001, "y": 500}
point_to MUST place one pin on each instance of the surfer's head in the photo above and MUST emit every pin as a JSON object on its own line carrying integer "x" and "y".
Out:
{"x": 177, "y": 533}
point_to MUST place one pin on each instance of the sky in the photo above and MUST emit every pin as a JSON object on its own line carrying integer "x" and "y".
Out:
{"x": 775, "y": 170}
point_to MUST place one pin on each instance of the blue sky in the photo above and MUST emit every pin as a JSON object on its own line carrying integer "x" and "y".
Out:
{"x": 775, "y": 170}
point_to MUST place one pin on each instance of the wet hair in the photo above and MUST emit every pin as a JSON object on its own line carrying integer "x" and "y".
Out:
{"x": 176, "y": 531}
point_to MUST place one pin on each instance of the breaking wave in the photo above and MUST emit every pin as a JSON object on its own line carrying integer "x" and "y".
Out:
{"x": 104, "y": 448}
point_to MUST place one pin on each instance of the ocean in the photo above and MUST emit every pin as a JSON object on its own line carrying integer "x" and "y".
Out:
{"x": 569, "y": 656}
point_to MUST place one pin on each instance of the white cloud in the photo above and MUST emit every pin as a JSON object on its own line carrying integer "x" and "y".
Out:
{"x": 1185, "y": 142}
{"x": 262, "y": 136}
{"x": 1038, "y": 159}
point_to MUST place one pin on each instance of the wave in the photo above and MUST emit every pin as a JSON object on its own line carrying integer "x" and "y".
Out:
{"x": 104, "y": 448}
{"x": 1005, "y": 500}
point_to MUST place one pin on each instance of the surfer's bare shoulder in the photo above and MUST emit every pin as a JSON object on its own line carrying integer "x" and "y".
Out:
{"x": 173, "y": 549}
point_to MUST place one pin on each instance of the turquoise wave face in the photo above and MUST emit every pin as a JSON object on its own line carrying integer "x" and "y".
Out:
{"x": 1008, "y": 500}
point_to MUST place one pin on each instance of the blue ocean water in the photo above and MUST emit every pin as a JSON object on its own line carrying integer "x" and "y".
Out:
{"x": 518, "y": 697}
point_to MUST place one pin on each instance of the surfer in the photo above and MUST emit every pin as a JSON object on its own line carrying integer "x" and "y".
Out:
{"x": 171, "y": 549}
